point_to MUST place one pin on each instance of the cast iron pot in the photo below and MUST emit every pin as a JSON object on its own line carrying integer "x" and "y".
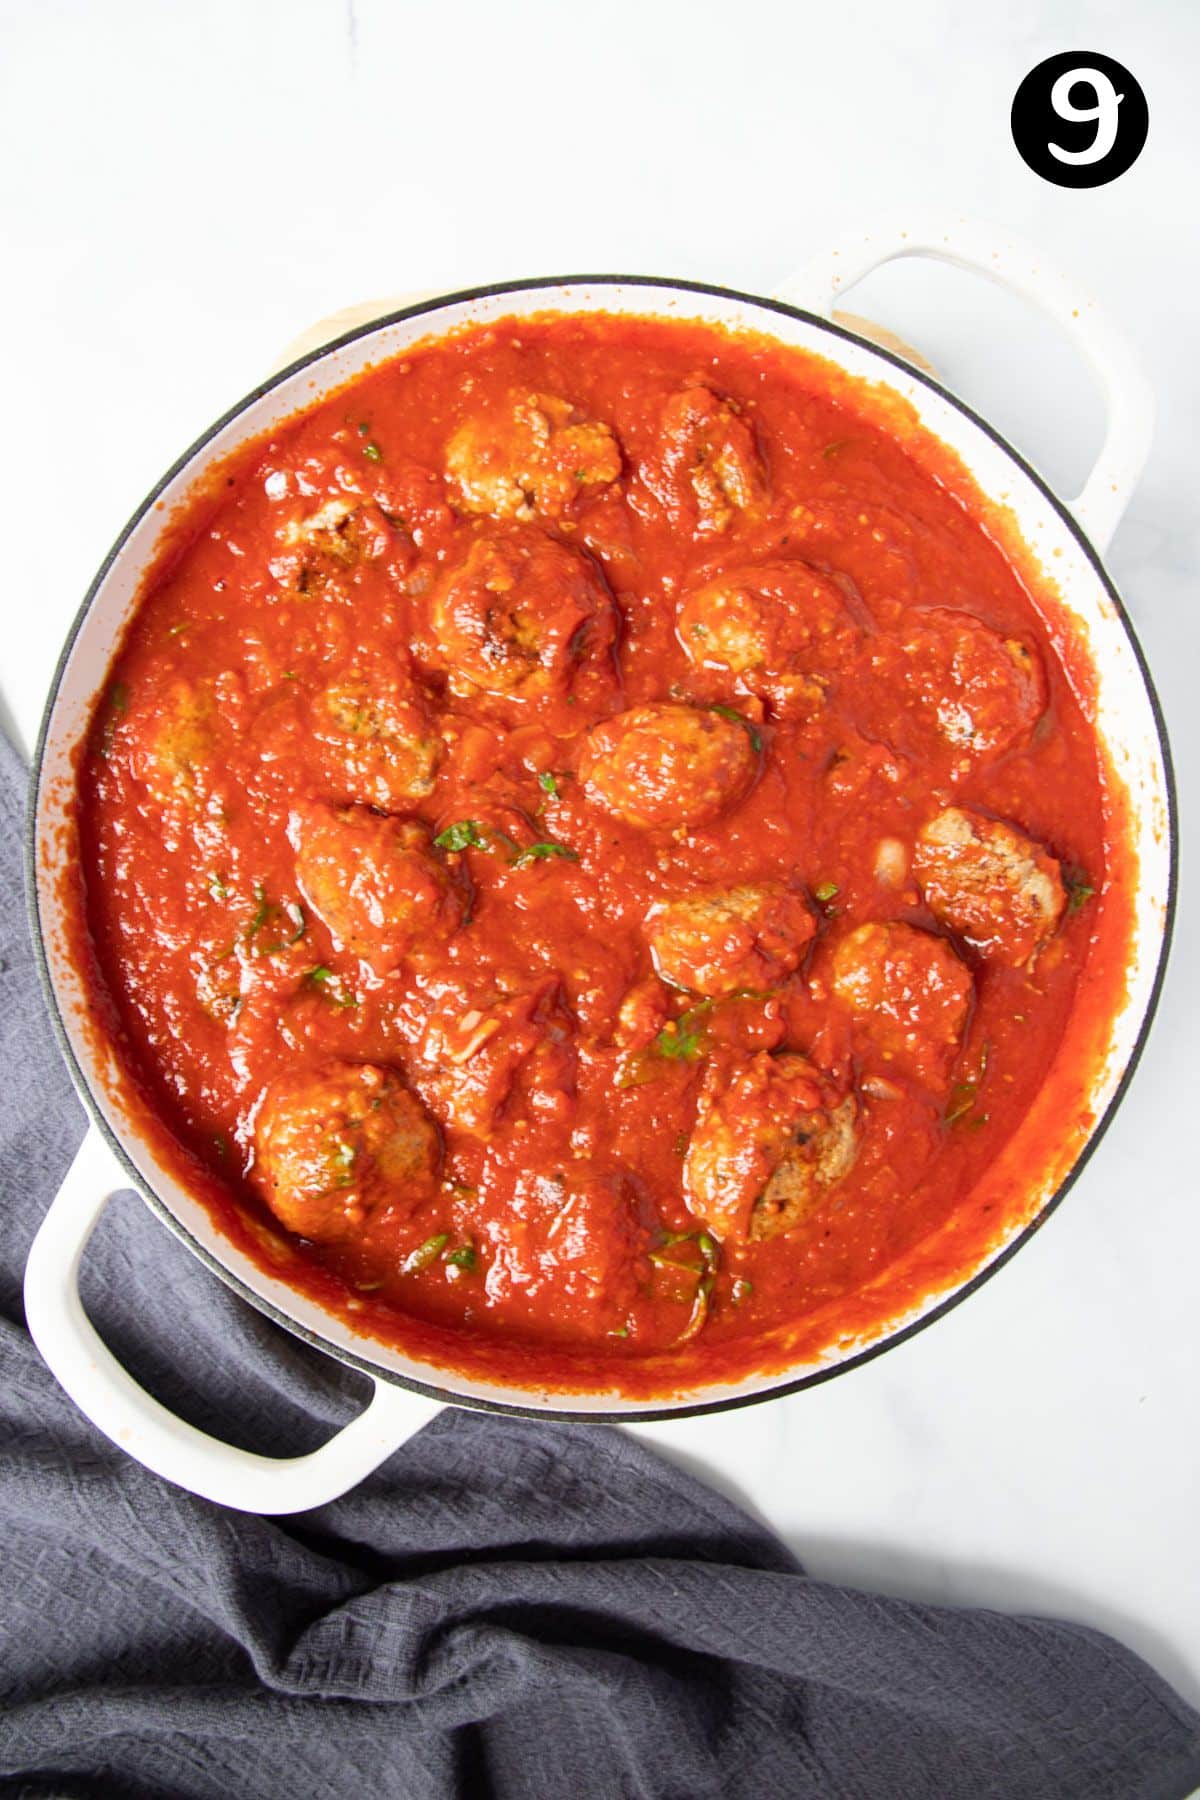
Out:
{"x": 118, "y": 1152}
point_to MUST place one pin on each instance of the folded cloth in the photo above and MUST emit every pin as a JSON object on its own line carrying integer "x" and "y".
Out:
{"x": 506, "y": 1608}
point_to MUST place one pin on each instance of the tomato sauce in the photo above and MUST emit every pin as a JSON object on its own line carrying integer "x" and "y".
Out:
{"x": 590, "y": 847}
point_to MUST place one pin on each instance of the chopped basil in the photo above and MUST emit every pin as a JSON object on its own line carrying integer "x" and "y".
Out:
{"x": 962, "y": 1099}
{"x": 668, "y": 1262}
{"x": 1078, "y": 895}
{"x": 548, "y": 784}
{"x": 373, "y": 453}
{"x": 463, "y": 835}
{"x": 682, "y": 1039}
{"x": 827, "y": 891}
{"x": 541, "y": 852}
{"x": 331, "y": 984}
{"x": 287, "y": 924}
{"x": 217, "y": 886}
{"x": 622, "y": 1331}
{"x": 678, "y": 1045}
{"x": 425, "y": 1253}
{"x": 736, "y": 718}
{"x": 462, "y": 1257}
{"x": 711, "y": 1256}
{"x": 741, "y": 1290}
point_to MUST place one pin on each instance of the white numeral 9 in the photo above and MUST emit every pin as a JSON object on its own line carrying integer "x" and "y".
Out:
{"x": 1105, "y": 113}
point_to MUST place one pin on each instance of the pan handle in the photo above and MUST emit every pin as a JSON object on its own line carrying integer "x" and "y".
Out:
{"x": 989, "y": 251}
{"x": 138, "y": 1424}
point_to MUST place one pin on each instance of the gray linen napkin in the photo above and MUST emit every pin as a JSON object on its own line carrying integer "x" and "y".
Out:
{"x": 506, "y": 1608}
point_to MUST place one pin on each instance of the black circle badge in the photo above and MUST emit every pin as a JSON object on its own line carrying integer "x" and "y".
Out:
{"x": 1080, "y": 119}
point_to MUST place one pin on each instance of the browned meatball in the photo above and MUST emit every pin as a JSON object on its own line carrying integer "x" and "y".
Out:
{"x": 332, "y": 1143}
{"x": 708, "y": 469}
{"x": 573, "y": 1252}
{"x": 519, "y": 614}
{"x": 772, "y": 1136}
{"x": 379, "y": 744}
{"x": 535, "y": 455}
{"x": 730, "y": 938}
{"x": 782, "y": 627}
{"x": 346, "y": 528}
{"x": 910, "y": 993}
{"x": 484, "y": 1051}
{"x": 172, "y": 736}
{"x": 666, "y": 766}
{"x": 967, "y": 686}
{"x": 377, "y": 883}
{"x": 998, "y": 889}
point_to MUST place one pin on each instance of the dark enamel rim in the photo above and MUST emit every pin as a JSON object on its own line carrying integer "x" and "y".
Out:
{"x": 615, "y": 1415}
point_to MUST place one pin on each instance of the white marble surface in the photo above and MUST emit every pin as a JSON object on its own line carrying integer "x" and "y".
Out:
{"x": 182, "y": 188}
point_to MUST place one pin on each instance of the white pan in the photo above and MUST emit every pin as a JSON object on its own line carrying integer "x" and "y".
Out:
{"x": 118, "y": 1152}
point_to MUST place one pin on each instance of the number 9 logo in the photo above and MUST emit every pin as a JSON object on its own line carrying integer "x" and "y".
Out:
{"x": 1079, "y": 119}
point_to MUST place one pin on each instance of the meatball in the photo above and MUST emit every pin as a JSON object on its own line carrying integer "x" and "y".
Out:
{"x": 572, "y": 1251}
{"x": 326, "y": 529}
{"x": 379, "y": 745}
{"x": 782, "y": 627}
{"x": 535, "y": 456}
{"x": 708, "y": 469}
{"x": 519, "y": 614}
{"x": 375, "y": 882}
{"x": 998, "y": 889}
{"x": 489, "y": 1051}
{"x": 968, "y": 687}
{"x": 909, "y": 992}
{"x": 332, "y": 1143}
{"x": 666, "y": 766}
{"x": 731, "y": 938}
{"x": 772, "y": 1136}
{"x": 172, "y": 744}
{"x": 346, "y": 529}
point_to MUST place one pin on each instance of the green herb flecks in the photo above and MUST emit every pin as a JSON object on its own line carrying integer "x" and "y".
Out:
{"x": 329, "y": 983}
{"x": 964, "y": 1095}
{"x": 116, "y": 705}
{"x": 464, "y": 834}
{"x": 1078, "y": 895}
{"x": 684, "y": 1039}
{"x": 961, "y": 1106}
{"x": 827, "y": 891}
{"x": 463, "y": 1256}
{"x": 274, "y": 929}
{"x": 548, "y": 784}
{"x": 543, "y": 853}
{"x": 681, "y": 1040}
{"x": 218, "y": 886}
{"x": 706, "y": 1282}
{"x": 372, "y": 452}
{"x": 425, "y": 1254}
{"x": 736, "y": 718}
{"x": 741, "y": 1290}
